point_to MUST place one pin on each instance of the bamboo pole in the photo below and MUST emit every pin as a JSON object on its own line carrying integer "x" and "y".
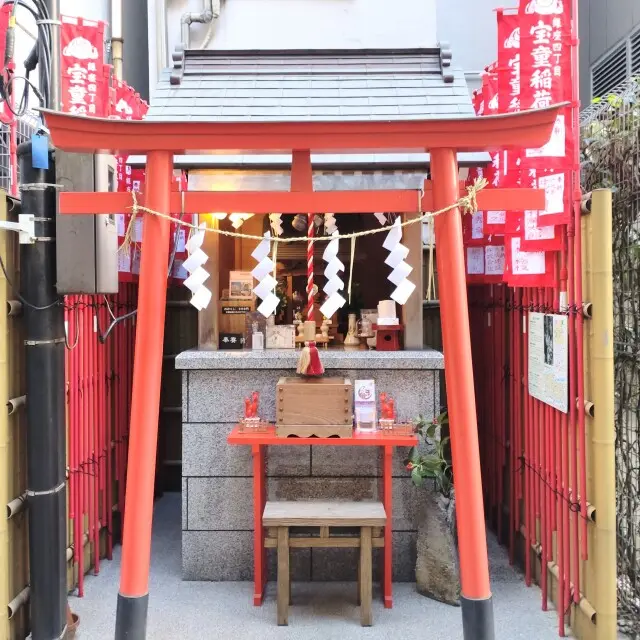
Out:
{"x": 5, "y": 461}
{"x": 602, "y": 427}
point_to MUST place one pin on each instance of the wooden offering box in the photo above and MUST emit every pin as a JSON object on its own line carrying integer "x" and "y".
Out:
{"x": 319, "y": 407}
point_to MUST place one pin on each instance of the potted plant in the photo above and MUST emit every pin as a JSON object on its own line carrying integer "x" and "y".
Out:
{"x": 437, "y": 573}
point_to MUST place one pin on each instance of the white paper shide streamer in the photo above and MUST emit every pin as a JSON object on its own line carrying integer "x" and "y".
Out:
{"x": 275, "y": 220}
{"x": 263, "y": 274}
{"x": 334, "y": 283}
{"x": 201, "y": 296}
{"x": 396, "y": 260}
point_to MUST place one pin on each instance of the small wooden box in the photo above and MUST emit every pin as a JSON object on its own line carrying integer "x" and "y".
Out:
{"x": 319, "y": 407}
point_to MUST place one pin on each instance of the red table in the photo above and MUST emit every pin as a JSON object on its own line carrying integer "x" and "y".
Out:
{"x": 260, "y": 441}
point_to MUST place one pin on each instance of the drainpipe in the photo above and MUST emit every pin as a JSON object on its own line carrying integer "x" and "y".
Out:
{"x": 208, "y": 14}
{"x": 116, "y": 38}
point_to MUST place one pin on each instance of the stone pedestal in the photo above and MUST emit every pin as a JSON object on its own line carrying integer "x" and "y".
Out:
{"x": 217, "y": 522}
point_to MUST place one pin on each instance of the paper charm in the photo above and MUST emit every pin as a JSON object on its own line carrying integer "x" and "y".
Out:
{"x": 201, "y": 296}
{"x": 396, "y": 260}
{"x": 334, "y": 282}
{"x": 330, "y": 224}
{"x": 263, "y": 273}
{"x": 381, "y": 218}
{"x": 276, "y": 223}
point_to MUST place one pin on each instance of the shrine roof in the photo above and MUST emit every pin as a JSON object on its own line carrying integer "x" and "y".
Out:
{"x": 311, "y": 86}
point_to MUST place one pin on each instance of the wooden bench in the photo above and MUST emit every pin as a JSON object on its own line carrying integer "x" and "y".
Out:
{"x": 369, "y": 517}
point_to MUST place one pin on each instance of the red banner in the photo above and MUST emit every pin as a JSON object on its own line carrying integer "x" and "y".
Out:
{"x": 84, "y": 89}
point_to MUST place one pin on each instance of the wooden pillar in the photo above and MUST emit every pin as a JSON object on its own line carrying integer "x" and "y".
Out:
{"x": 477, "y": 607}
{"x": 131, "y": 619}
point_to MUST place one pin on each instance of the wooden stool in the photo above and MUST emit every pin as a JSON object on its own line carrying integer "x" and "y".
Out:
{"x": 370, "y": 517}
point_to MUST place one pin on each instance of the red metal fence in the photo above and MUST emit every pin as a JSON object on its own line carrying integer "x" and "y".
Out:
{"x": 98, "y": 381}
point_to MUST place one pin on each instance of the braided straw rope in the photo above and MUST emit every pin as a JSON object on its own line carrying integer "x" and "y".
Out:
{"x": 468, "y": 203}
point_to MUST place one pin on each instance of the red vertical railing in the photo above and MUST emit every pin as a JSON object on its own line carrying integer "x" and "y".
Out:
{"x": 98, "y": 380}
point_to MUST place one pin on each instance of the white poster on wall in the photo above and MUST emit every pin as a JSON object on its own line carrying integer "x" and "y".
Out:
{"x": 548, "y": 359}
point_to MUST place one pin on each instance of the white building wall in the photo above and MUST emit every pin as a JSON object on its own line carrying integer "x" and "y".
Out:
{"x": 468, "y": 25}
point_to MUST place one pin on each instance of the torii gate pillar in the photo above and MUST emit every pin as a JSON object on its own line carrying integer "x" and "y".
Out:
{"x": 477, "y": 606}
{"x": 133, "y": 598}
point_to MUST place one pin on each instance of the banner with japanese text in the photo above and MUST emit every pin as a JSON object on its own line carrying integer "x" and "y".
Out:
{"x": 84, "y": 74}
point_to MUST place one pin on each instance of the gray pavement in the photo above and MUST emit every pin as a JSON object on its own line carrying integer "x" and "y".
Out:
{"x": 320, "y": 611}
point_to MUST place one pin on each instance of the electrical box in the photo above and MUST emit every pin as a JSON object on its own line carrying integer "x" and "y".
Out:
{"x": 86, "y": 245}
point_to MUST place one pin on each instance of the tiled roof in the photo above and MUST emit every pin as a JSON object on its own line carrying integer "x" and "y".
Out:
{"x": 408, "y": 84}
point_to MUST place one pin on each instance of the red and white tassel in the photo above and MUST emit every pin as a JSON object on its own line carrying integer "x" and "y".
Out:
{"x": 309, "y": 363}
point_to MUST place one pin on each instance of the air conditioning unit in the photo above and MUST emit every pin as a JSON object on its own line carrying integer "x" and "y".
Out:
{"x": 87, "y": 245}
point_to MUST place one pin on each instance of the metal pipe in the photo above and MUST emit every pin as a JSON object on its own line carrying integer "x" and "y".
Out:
{"x": 16, "y": 506}
{"x": 46, "y": 431}
{"x": 14, "y": 308}
{"x": 55, "y": 102}
{"x": 210, "y": 12}
{"x": 15, "y": 403}
{"x": 19, "y": 601}
{"x": 603, "y": 423}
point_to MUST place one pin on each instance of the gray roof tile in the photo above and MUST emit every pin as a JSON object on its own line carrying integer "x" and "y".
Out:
{"x": 310, "y": 86}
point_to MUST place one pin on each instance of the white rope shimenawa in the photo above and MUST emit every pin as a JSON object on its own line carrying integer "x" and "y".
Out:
{"x": 202, "y": 296}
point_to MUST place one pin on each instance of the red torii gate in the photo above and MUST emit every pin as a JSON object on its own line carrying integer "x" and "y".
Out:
{"x": 160, "y": 141}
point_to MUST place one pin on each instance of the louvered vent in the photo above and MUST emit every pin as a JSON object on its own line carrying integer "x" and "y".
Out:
{"x": 610, "y": 72}
{"x": 635, "y": 53}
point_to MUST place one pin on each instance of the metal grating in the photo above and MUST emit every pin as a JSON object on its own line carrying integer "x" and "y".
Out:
{"x": 635, "y": 53}
{"x": 26, "y": 126}
{"x": 609, "y": 72}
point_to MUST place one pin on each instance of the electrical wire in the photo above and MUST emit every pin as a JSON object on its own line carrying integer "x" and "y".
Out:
{"x": 17, "y": 294}
{"x": 116, "y": 320}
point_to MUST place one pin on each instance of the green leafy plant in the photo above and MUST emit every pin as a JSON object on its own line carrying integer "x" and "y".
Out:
{"x": 434, "y": 465}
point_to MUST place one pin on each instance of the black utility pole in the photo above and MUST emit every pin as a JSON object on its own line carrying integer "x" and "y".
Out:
{"x": 45, "y": 351}
{"x": 46, "y": 446}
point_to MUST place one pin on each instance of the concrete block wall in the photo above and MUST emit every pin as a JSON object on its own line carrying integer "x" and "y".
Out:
{"x": 217, "y": 497}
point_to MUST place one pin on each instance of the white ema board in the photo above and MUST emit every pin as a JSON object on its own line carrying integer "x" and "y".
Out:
{"x": 548, "y": 359}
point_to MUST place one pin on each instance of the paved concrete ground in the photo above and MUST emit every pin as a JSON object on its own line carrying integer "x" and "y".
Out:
{"x": 223, "y": 610}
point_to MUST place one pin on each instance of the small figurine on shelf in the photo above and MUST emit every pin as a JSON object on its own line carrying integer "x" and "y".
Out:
{"x": 251, "y": 419}
{"x": 387, "y": 412}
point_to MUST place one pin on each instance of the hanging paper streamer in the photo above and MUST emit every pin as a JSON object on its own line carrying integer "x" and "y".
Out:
{"x": 263, "y": 273}
{"x": 381, "y": 218}
{"x": 275, "y": 220}
{"x": 330, "y": 224}
{"x": 201, "y": 296}
{"x": 396, "y": 260}
{"x": 334, "y": 283}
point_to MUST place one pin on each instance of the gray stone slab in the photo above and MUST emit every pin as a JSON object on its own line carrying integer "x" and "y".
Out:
{"x": 287, "y": 359}
{"x": 184, "y": 500}
{"x": 300, "y": 565}
{"x": 217, "y": 396}
{"x": 404, "y": 556}
{"x": 345, "y": 461}
{"x": 205, "y": 452}
{"x": 406, "y": 501}
{"x": 323, "y": 489}
{"x": 341, "y": 565}
{"x": 289, "y": 461}
{"x": 220, "y": 504}
{"x": 185, "y": 395}
{"x": 217, "y": 555}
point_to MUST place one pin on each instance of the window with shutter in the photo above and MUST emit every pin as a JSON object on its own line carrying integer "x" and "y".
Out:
{"x": 611, "y": 71}
{"x": 635, "y": 53}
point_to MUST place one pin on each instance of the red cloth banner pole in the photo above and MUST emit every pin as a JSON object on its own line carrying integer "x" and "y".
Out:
{"x": 133, "y": 597}
{"x": 477, "y": 606}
